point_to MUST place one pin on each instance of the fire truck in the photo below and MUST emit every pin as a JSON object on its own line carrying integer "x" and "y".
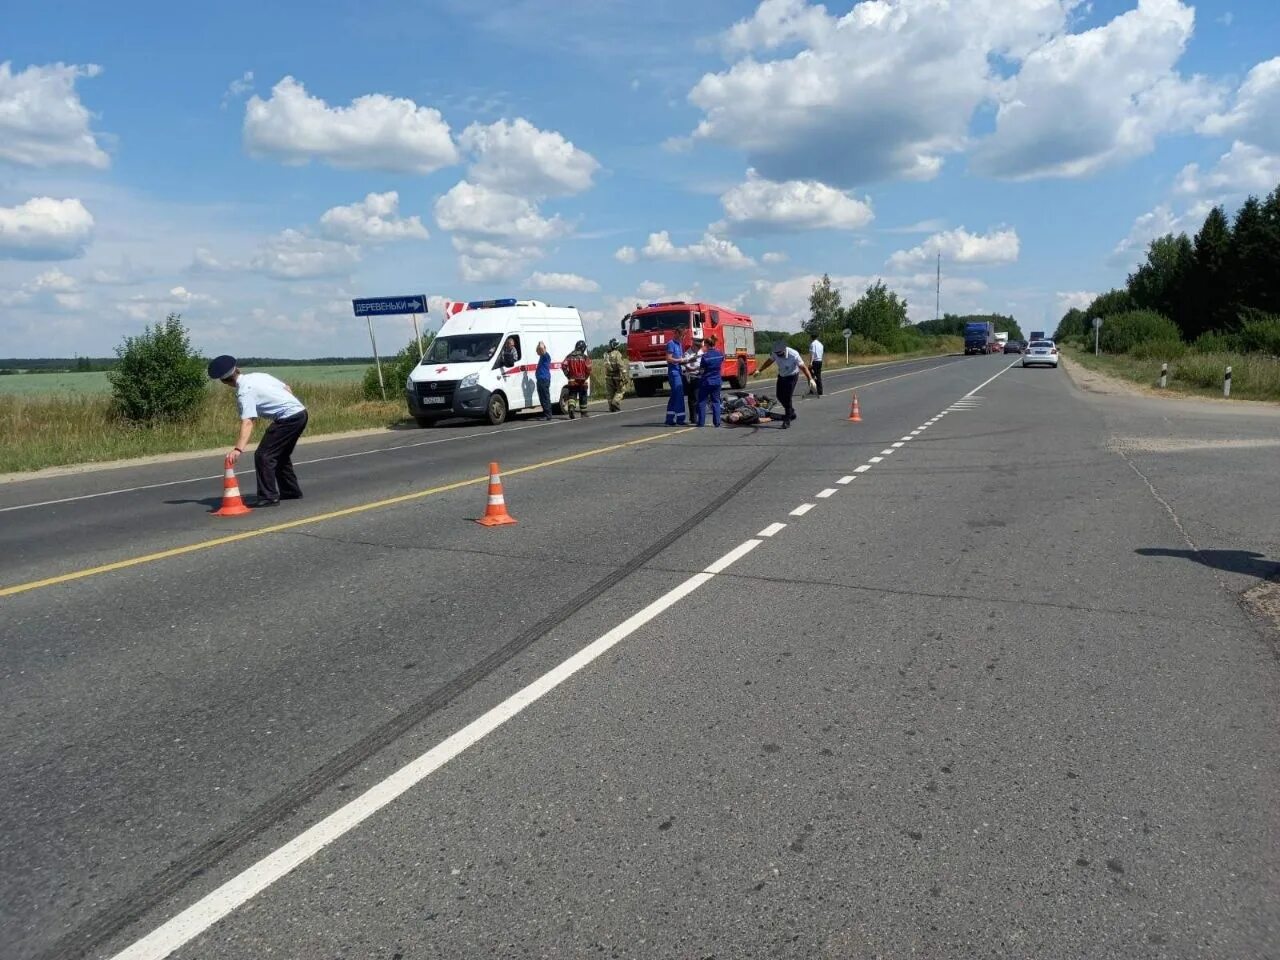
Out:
{"x": 648, "y": 329}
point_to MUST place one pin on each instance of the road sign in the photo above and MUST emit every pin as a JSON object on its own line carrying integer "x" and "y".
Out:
{"x": 388, "y": 306}
{"x": 1097, "y": 322}
{"x": 847, "y": 333}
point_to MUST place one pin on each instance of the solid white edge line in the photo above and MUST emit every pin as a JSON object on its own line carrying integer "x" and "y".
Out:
{"x": 801, "y": 510}
{"x": 985, "y": 382}
{"x": 829, "y": 492}
{"x": 862, "y": 469}
{"x": 846, "y": 480}
{"x": 211, "y": 908}
{"x": 771, "y": 529}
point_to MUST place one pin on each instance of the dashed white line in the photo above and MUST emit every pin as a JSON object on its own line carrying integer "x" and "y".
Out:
{"x": 887, "y": 453}
{"x": 900, "y": 443}
{"x": 862, "y": 469}
{"x": 843, "y": 481}
{"x": 908, "y": 437}
{"x": 771, "y": 529}
{"x": 801, "y": 510}
{"x": 829, "y": 492}
{"x": 874, "y": 459}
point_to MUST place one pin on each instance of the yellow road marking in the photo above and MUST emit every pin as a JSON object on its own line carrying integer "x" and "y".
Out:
{"x": 318, "y": 518}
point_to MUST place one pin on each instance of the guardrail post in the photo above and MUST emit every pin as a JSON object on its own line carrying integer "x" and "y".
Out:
{"x": 1226, "y": 383}
{"x": 1164, "y": 375}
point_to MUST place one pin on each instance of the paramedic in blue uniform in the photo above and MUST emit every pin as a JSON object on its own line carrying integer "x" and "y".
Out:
{"x": 709, "y": 381}
{"x": 675, "y": 381}
{"x": 262, "y": 395}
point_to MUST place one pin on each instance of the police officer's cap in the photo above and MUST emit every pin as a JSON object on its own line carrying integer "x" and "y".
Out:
{"x": 222, "y": 367}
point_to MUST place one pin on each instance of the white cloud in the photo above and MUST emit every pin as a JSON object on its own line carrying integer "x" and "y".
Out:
{"x": 1075, "y": 299}
{"x": 42, "y": 121}
{"x": 1117, "y": 87}
{"x": 774, "y": 257}
{"x": 372, "y": 220}
{"x": 1253, "y": 115}
{"x": 711, "y": 251}
{"x": 45, "y": 229}
{"x": 52, "y": 287}
{"x": 784, "y": 304}
{"x": 888, "y": 90}
{"x": 961, "y": 246}
{"x": 475, "y": 210}
{"x": 760, "y": 204}
{"x": 516, "y": 157}
{"x": 482, "y": 261}
{"x": 562, "y": 281}
{"x": 376, "y": 132}
{"x": 1156, "y": 223}
{"x": 292, "y": 255}
{"x": 1244, "y": 168}
{"x": 156, "y": 306}
{"x": 238, "y": 88}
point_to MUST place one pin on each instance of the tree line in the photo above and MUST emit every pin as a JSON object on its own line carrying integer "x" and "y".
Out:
{"x": 1218, "y": 290}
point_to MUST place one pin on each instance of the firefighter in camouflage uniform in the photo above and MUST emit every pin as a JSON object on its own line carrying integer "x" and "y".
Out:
{"x": 617, "y": 376}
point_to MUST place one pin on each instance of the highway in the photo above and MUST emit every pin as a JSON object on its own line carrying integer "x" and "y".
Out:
{"x": 973, "y": 677}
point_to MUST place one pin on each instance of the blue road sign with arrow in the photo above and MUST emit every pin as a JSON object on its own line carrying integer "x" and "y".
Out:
{"x": 389, "y": 306}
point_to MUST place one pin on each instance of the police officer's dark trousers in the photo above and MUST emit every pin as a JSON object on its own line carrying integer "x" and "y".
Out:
{"x": 273, "y": 460}
{"x": 785, "y": 389}
{"x": 816, "y": 367}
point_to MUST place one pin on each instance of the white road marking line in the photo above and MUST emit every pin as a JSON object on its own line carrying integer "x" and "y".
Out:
{"x": 829, "y": 492}
{"x": 916, "y": 433}
{"x": 907, "y": 437}
{"x": 237, "y": 891}
{"x": 887, "y": 452}
{"x": 843, "y": 481}
{"x": 874, "y": 459}
{"x": 985, "y": 382}
{"x": 801, "y": 510}
{"x": 900, "y": 443}
{"x": 862, "y": 469}
{"x": 771, "y": 529}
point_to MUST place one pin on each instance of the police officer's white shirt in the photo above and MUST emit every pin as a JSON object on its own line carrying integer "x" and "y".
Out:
{"x": 816, "y": 350}
{"x": 262, "y": 395}
{"x": 788, "y": 364}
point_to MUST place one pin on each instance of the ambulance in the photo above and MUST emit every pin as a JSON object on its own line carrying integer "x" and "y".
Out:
{"x": 462, "y": 375}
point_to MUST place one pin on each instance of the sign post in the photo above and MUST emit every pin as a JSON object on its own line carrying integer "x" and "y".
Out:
{"x": 1097, "y": 325}
{"x": 369, "y": 307}
{"x": 847, "y": 334}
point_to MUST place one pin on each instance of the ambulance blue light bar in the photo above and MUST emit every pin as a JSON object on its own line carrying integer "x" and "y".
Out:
{"x": 490, "y": 304}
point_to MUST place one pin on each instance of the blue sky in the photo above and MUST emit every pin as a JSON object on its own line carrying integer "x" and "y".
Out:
{"x": 254, "y": 167}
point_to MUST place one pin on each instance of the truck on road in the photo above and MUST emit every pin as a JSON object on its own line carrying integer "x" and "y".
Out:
{"x": 648, "y": 329}
{"x": 977, "y": 335}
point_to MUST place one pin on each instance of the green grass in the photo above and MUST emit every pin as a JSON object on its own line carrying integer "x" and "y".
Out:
{"x": 1253, "y": 376}
{"x": 87, "y": 384}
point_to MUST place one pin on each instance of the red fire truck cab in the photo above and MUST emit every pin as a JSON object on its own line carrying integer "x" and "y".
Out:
{"x": 648, "y": 329}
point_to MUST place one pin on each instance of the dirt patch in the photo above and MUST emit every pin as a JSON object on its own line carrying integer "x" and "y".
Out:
{"x": 1095, "y": 382}
{"x": 1264, "y": 600}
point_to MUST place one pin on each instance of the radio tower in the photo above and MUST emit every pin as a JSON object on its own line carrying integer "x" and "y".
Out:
{"x": 937, "y": 303}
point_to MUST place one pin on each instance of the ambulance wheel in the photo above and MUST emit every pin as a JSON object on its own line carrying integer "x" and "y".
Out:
{"x": 425, "y": 421}
{"x": 497, "y": 409}
{"x": 647, "y": 387}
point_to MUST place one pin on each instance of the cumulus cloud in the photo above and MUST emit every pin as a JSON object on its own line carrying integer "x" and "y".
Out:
{"x": 516, "y": 157}
{"x": 886, "y": 91}
{"x": 150, "y": 306}
{"x": 784, "y": 304}
{"x": 760, "y": 204}
{"x": 961, "y": 246}
{"x": 1244, "y": 168}
{"x": 376, "y": 132}
{"x": 238, "y": 88}
{"x": 52, "y": 287}
{"x": 293, "y": 255}
{"x": 45, "y": 229}
{"x": 711, "y": 251}
{"x": 475, "y": 210}
{"x": 42, "y": 121}
{"x": 375, "y": 219}
{"x": 774, "y": 257}
{"x": 562, "y": 281}
{"x": 1253, "y": 114}
{"x": 1074, "y": 299}
{"x": 1116, "y": 83}
{"x": 1156, "y": 223}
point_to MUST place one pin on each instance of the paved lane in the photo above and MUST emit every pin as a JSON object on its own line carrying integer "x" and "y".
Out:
{"x": 926, "y": 716}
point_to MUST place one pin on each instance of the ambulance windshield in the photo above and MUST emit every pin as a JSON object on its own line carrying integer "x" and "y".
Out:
{"x": 463, "y": 348}
{"x": 660, "y": 320}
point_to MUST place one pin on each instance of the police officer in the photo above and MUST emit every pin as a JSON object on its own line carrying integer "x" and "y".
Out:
{"x": 615, "y": 376}
{"x": 789, "y": 367}
{"x": 262, "y": 395}
{"x": 675, "y": 381}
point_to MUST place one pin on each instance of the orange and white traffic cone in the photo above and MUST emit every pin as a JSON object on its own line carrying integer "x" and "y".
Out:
{"x": 855, "y": 412}
{"x": 232, "y": 504}
{"x": 495, "y": 512}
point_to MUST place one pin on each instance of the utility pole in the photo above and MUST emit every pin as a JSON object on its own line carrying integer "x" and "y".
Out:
{"x": 937, "y": 304}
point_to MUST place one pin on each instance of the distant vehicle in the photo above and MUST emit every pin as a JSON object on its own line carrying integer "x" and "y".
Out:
{"x": 1037, "y": 335}
{"x": 1041, "y": 353}
{"x": 462, "y": 373}
{"x": 1014, "y": 346}
{"x": 994, "y": 346}
{"x": 647, "y": 330}
{"x": 977, "y": 336}
{"x": 1003, "y": 337}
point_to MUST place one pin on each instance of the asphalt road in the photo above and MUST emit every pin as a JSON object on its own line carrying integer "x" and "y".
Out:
{"x": 970, "y": 678}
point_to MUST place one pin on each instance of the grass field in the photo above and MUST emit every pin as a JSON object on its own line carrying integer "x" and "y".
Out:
{"x": 1253, "y": 377}
{"x": 85, "y": 384}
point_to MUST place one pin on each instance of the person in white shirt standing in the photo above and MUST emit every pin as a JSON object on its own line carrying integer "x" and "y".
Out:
{"x": 816, "y": 350}
{"x": 262, "y": 395}
{"x": 789, "y": 367}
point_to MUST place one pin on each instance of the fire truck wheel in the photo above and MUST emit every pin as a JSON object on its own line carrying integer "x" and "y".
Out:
{"x": 497, "y": 409}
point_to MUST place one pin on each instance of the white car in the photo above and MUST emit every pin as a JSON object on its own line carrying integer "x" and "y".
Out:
{"x": 1040, "y": 352}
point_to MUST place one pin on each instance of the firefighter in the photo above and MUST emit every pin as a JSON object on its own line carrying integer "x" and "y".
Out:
{"x": 577, "y": 370}
{"x": 675, "y": 381}
{"x": 616, "y": 376}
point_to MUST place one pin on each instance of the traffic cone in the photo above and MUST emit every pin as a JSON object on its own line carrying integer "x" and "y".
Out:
{"x": 495, "y": 513}
{"x": 232, "y": 504}
{"x": 855, "y": 412}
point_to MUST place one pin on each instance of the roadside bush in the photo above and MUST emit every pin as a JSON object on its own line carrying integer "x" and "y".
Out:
{"x": 860, "y": 346}
{"x": 1123, "y": 331}
{"x": 1203, "y": 369}
{"x": 1260, "y": 336}
{"x": 395, "y": 371}
{"x": 1214, "y": 342}
{"x": 1161, "y": 350}
{"x": 158, "y": 377}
